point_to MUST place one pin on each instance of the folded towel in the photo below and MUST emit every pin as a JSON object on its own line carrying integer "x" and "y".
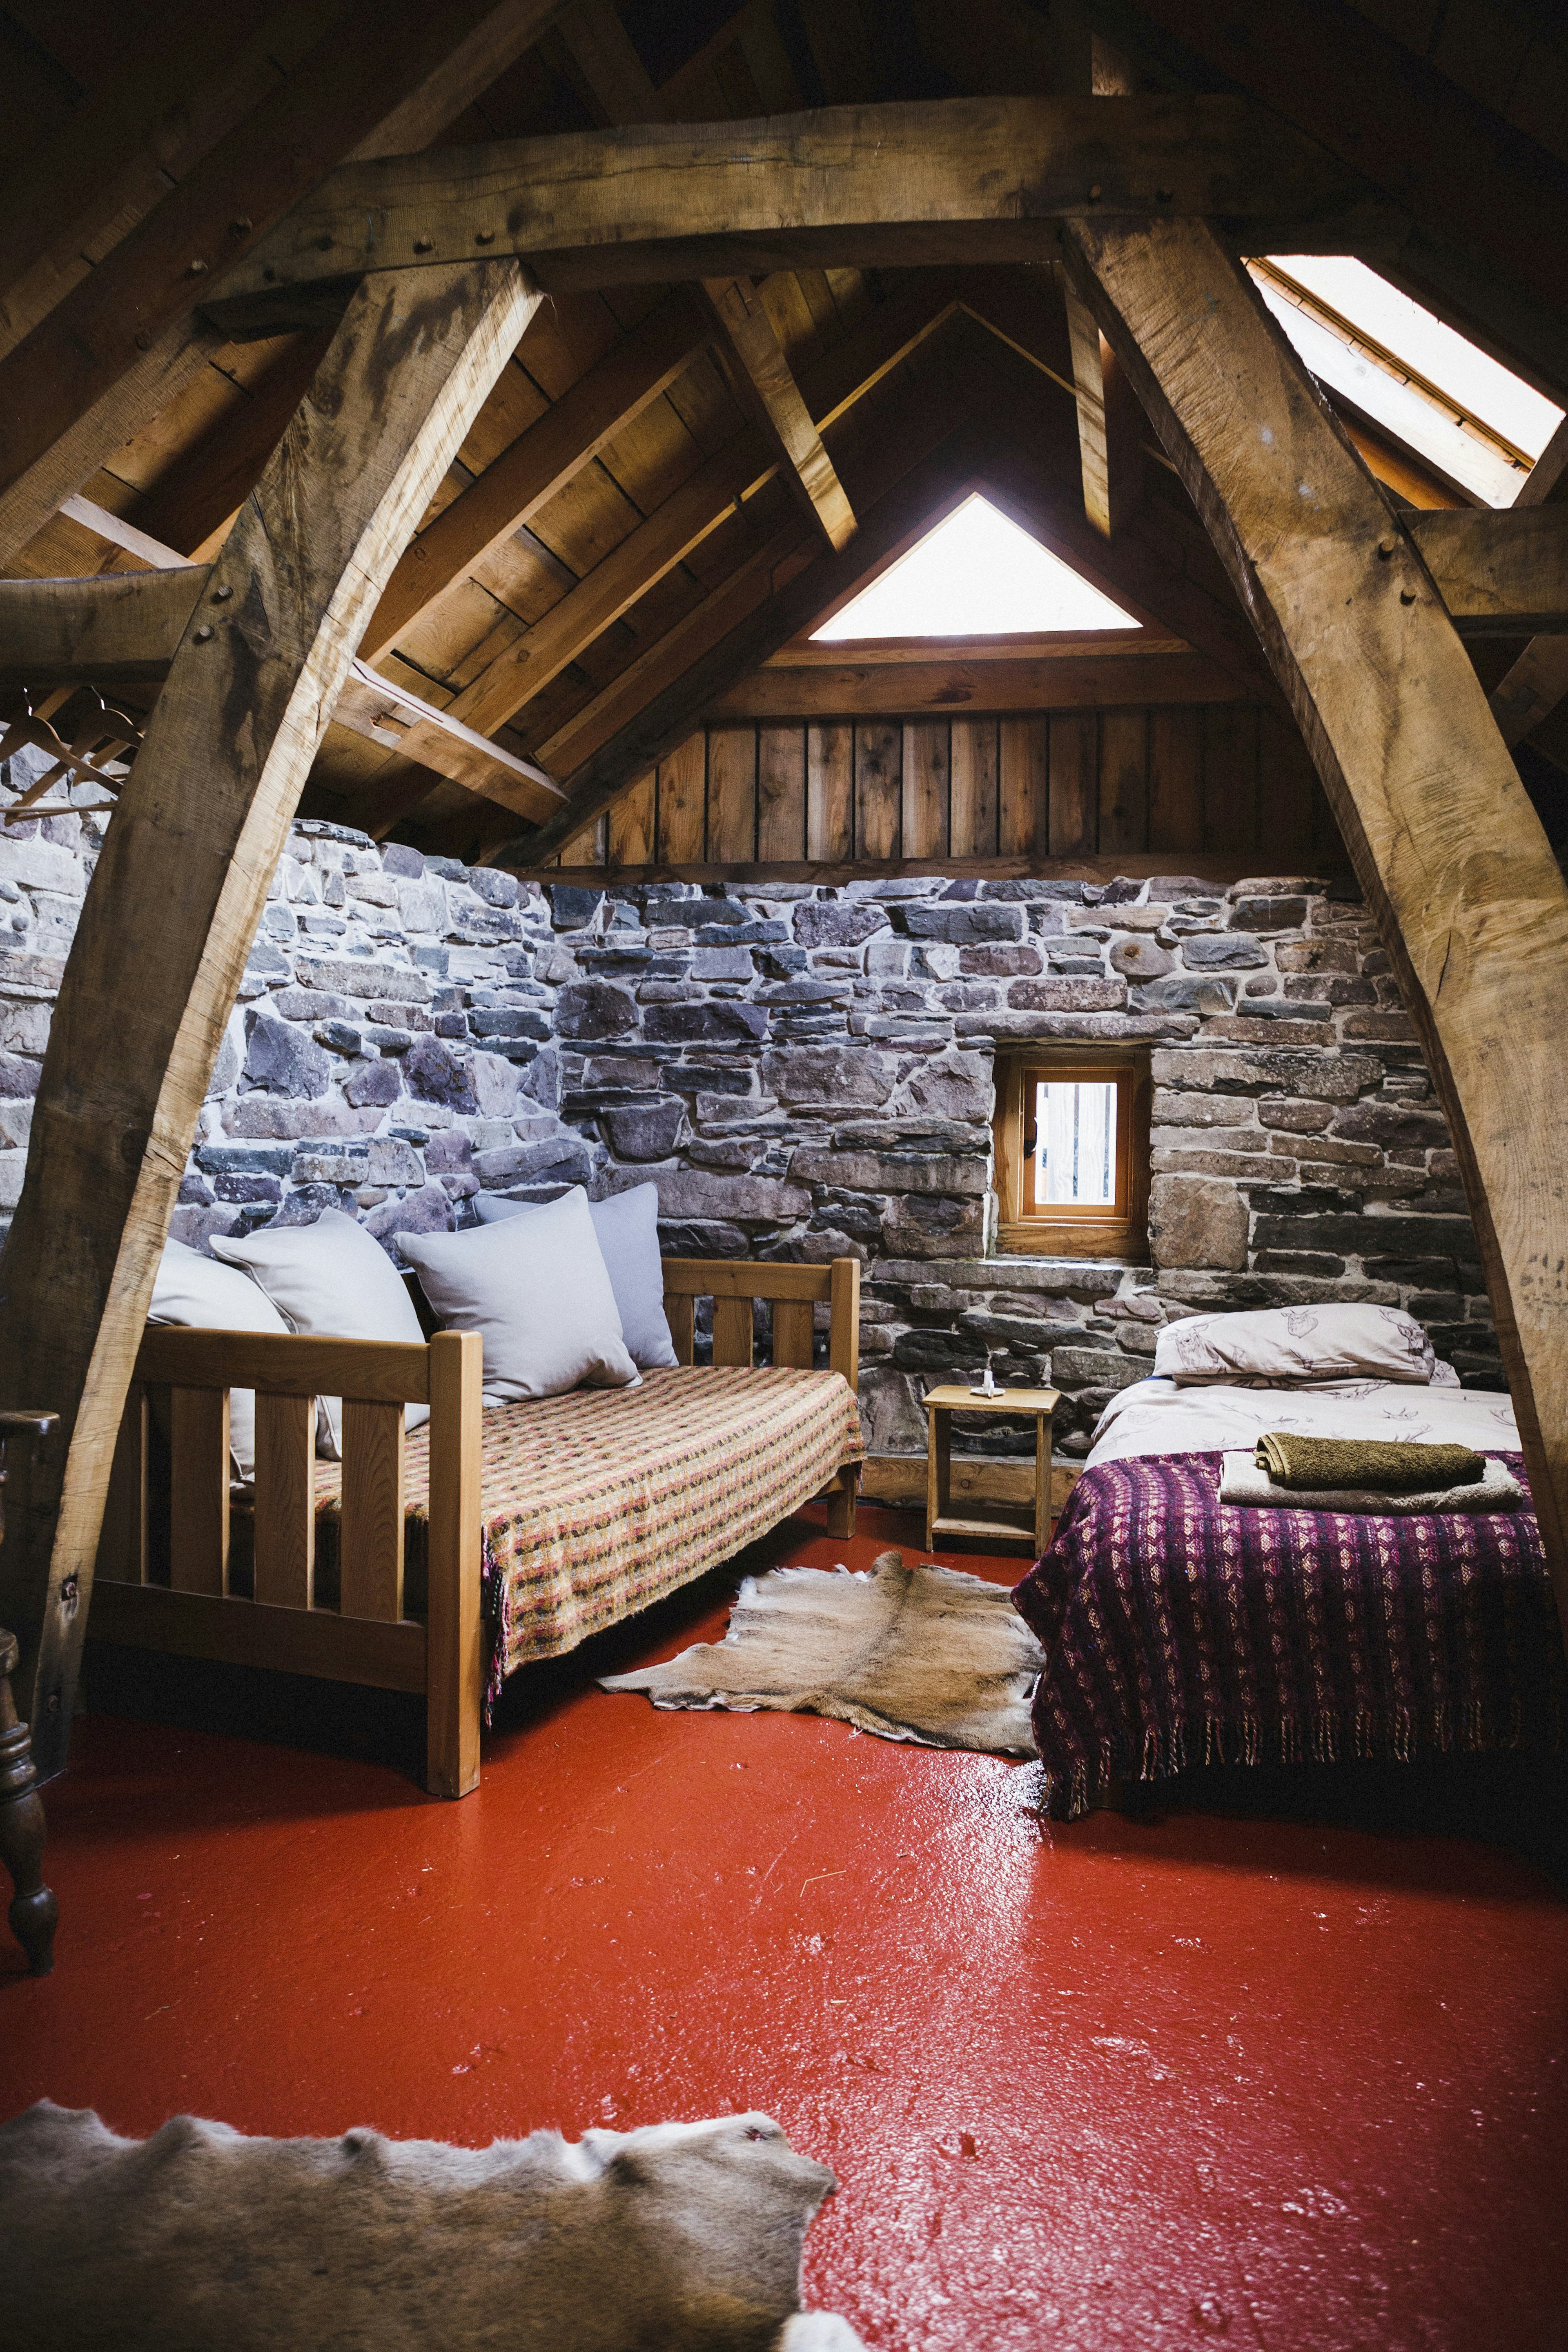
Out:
{"x": 1244, "y": 1482}
{"x": 1378, "y": 1465}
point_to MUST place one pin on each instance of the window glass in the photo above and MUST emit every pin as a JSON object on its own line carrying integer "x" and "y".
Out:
{"x": 1074, "y": 1143}
{"x": 1473, "y": 420}
{"x": 977, "y": 573}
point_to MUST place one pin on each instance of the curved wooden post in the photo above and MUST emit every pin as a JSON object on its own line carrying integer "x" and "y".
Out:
{"x": 173, "y": 906}
{"x": 1470, "y": 902}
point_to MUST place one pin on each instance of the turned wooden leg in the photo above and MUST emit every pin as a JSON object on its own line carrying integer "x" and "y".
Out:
{"x": 34, "y": 1910}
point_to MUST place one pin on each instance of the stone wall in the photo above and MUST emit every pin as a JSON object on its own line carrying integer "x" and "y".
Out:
{"x": 806, "y": 1071}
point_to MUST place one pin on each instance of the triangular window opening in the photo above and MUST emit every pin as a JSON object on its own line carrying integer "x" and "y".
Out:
{"x": 976, "y": 574}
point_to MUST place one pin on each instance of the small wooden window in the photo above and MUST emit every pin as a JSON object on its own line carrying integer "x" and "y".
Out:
{"x": 1072, "y": 1154}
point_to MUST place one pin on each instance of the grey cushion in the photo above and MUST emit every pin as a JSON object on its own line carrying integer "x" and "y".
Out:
{"x": 537, "y": 1291}
{"x": 627, "y": 1229}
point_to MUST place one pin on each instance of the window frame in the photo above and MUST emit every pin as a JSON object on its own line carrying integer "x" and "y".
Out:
{"x": 1062, "y": 1229}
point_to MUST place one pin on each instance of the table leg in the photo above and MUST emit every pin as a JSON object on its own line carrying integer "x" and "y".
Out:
{"x": 1042, "y": 1483}
{"x": 939, "y": 1467}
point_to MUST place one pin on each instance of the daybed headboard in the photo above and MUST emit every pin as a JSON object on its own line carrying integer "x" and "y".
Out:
{"x": 794, "y": 1293}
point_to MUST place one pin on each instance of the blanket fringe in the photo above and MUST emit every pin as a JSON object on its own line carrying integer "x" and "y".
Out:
{"x": 1399, "y": 1735}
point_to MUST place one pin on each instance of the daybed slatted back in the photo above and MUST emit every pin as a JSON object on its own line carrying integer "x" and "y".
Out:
{"x": 376, "y": 1379}
{"x": 794, "y": 1292}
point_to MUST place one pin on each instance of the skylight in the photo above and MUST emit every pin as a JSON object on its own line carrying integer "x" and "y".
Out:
{"x": 977, "y": 574}
{"x": 1406, "y": 369}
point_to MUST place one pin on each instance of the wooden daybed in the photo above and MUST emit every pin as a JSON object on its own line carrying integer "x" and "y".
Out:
{"x": 561, "y": 1516}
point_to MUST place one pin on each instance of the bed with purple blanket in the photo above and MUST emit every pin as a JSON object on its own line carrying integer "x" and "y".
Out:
{"x": 1180, "y": 1631}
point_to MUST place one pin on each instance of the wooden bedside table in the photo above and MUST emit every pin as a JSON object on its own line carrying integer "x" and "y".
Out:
{"x": 1001, "y": 1522}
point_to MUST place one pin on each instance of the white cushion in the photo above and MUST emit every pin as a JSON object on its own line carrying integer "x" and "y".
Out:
{"x": 537, "y": 1289}
{"x": 627, "y": 1227}
{"x": 1336, "y": 1340}
{"x": 331, "y": 1281}
{"x": 200, "y": 1295}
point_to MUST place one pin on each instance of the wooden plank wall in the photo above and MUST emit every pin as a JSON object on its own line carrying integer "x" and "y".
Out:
{"x": 1227, "y": 778}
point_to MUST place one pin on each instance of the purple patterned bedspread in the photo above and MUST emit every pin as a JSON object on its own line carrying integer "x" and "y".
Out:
{"x": 1179, "y": 1632}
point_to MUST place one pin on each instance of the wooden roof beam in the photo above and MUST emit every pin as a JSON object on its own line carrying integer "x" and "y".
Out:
{"x": 948, "y": 180}
{"x": 1537, "y": 682}
{"x": 593, "y": 31}
{"x": 1109, "y": 425}
{"x": 772, "y": 391}
{"x": 128, "y": 337}
{"x": 1500, "y": 573}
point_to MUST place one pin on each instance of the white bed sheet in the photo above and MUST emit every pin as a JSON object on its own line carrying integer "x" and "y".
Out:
{"x": 1155, "y": 1416}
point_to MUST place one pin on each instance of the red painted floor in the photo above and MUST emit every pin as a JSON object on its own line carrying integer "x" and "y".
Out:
{"x": 1108, "y": 2085}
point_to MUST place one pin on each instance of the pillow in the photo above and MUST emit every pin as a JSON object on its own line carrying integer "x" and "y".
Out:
{"x": 199, "y": 1294}
{"x": 1330, "y": 1342}
{"x": 537, "y": 1289}
{"x": 331, "y": 1281}
{"x": 627, "y": 1225}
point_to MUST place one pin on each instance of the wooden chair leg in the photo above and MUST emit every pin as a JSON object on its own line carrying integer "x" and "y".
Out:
{"x": 841, "y": 1497}
{"x": 34, "y": 1910}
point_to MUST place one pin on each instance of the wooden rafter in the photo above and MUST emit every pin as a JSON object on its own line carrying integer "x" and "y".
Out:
{"x": 763, "y": 374}
{"x": 544, "y": 458}
{"x": 734, "y": 475}
{"x": 615, "y": 73}
{"x": 1535, "y": 684}
{"x": 1108, "y": 425}
{"x": 1501, "y": 574}
{"x": 201, "y": 823}
{"x": 127, "y": 338}
{"x": 1470, "y": 904}
{"x": 950, "y": 181}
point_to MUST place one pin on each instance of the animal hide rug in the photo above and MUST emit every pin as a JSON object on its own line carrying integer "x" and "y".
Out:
{"x": 919, "y": 1653}
{"x": 678, "y": 2238}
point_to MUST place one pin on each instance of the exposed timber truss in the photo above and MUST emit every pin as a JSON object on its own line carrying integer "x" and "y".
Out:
{"x": 467, "y": 563}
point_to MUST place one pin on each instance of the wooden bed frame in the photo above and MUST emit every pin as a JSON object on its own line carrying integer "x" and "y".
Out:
{"x": 368, "y": 1639}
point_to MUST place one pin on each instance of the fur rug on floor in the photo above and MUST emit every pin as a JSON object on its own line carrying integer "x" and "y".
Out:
{"x": 919, "y": 1653}
{"x": 678, "y": 2238}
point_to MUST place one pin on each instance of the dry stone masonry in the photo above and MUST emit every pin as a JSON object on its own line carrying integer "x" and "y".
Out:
{"x": 806, "y": 1071}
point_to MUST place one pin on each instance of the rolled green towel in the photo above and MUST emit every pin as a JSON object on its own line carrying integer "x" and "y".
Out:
{"x": 1325, "y": 1463}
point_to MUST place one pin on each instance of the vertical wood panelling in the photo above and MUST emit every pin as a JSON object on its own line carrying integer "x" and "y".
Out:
{"x": 1288, "y": 793}
{"x": 830, "y": 793}
{"x": 1230, "y": 776}
{"x": 732, "y": 795}
{"x": 629, "y": 828}
{"x": 925, "y": 765}
{"x": 1226, "y": 777}
{"x": 1024, "y": 770}
{"x": 1074, "y": 822}
{"x": 589, "y": 847}
{"x": 877, "y": 790}
{"x": 781, "y": 793}
{"x": 1123, "y": 780}
{"x": 682, "y": 803}
{"x": 1175, "y": 797}
{"x": 972, "y": 795}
